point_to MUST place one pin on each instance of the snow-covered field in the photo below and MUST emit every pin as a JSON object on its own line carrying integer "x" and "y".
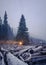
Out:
{"x": 22, "y": 55}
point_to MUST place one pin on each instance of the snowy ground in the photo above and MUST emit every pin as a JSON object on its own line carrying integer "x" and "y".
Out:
{"x": 12, "y": 60}
{"x": 22, "y": 55}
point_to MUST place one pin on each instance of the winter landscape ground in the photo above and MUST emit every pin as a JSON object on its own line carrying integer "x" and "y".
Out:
{"x": 12, "y": 54}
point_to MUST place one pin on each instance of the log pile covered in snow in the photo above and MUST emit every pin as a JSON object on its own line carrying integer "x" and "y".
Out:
{"x": 22, "y": 55}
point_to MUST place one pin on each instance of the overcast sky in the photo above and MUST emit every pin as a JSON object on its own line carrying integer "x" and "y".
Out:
{"x": 34, "y": 12}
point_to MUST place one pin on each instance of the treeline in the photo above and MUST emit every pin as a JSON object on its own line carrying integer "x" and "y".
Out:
{"x": 6, "y": 32}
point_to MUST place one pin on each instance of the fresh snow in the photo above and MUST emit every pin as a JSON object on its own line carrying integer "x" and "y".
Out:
{"x": 25, "y": 49}
{"x": 37, "y": 49}
{"x": 12, "y": 60}
{"x": 2, "y": 62}
{"x": 25, "y": 56}
{"x": 1, "y": 59}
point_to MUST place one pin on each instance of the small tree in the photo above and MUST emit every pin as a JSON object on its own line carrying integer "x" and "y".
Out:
{"x": 22, "y": 34}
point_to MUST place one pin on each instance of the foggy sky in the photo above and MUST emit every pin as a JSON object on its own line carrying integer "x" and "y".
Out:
{"x": 34, "y": 12}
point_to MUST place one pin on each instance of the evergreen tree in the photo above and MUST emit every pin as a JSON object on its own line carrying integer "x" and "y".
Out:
{"x": 22, "y": 34}
{"x": 10, "y": 33}
{"x": 5, "y": 27}
{"x": 5, "y": 18}
{"x": 0, "y": 21}
{"x": 0, "y": 28}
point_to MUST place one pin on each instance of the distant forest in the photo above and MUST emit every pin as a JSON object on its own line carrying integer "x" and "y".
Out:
{"x": 6, "y": 32}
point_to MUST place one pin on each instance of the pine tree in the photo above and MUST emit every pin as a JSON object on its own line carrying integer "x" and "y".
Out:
{"x": 5, "y": 18}
{"x": 22, "y": 34}
{"x": 0, "y": 28}
{"x": 5, "y": 27}
{"x": 0, "y": 21}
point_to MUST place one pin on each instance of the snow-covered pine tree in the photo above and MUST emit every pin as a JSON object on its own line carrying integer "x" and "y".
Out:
{"x": 22, "y": 34}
